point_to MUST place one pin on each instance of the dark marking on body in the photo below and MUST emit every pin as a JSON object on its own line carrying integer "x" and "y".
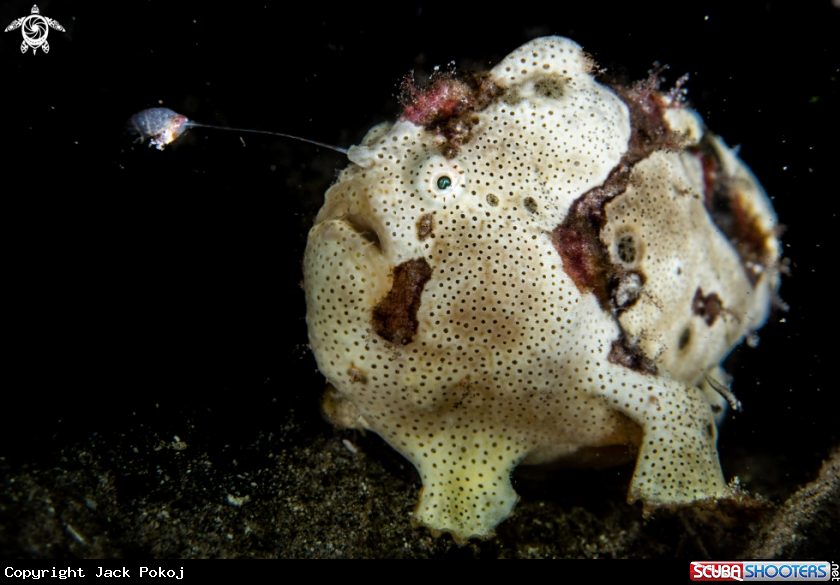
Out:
{"x": 424, "y": 226}
{"x": 395, "y": 316}
{"x": 726, "y": 207}
{"x": 577, "y": 240}
{"x": 625, "y": 288}
{"x": 627, "y": 249}
{"x": 649, "y": 129}
{"x": 530, "y": 204}
{"x": 356, "y": 375}
{"x": 447, "y": 106}
{"x": 685, "y": 338}
{"x": 707, "y": 307}
{"x": 552, "y": 86}
{"x": 631, "y": 356}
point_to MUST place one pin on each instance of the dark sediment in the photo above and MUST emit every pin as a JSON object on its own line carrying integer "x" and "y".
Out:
{"x": 302, "y": 492}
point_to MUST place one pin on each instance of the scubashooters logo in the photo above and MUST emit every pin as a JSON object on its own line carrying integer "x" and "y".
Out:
{"x": 35, "y": 29}
{"x": 763, "y": 571}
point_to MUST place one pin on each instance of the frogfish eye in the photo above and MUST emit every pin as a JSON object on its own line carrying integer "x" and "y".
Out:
{"x": 444, "y": 182}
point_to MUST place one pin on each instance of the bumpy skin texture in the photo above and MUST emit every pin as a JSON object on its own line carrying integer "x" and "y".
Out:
{"x": 588, "y": 259}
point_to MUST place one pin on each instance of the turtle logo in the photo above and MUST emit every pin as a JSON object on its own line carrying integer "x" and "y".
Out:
{"x": 35, "y": 28}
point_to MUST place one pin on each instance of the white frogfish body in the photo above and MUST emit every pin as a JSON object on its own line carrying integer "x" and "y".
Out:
{"x": 533, "y": 265}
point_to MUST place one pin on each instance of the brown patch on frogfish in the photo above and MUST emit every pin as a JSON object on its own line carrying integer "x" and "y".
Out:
{"x": 623, "y": 353}
{"x": 649, "y": 129}
{"x": 707, "y": 307}
{"x": 424, "y": 226}
{"x": 447, "y": 105}
{"x": 395, "y": 316}
{"x": 577, "y": 240}
{"x": 728, "y": 211}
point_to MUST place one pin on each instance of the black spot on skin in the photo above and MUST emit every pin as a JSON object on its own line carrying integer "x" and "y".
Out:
{"x": 627, "y": 249}
{"x": 530, "y": 204}
{"x": 710, "y": 430}
{"x": 708, "y": 307}
{"x": 395, "y": 316}
{"x": 492, "y": 200}
{"x": 424, "y": 226}
{"x": 551, "y": 86}
{"x": 717, "y": 408}
{"x": 631, "y": 356}
{"x": 685, "y": 338}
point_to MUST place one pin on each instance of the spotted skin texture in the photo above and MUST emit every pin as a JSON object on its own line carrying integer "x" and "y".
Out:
{"x": 543, "y": 305}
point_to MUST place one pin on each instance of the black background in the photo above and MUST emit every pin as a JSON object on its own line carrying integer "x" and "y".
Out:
{"x": 165, "y": 285}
